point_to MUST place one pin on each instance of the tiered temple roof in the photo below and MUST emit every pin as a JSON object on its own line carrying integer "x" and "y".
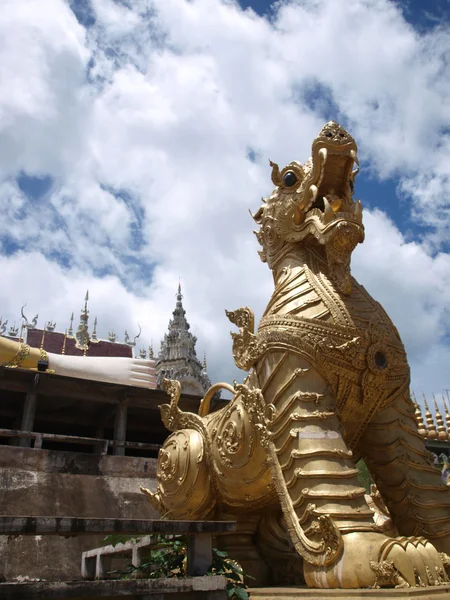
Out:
{"x": 177, "y": 357}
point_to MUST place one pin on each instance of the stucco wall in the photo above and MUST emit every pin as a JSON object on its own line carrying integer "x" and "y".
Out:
{"x": 54, "y": 483}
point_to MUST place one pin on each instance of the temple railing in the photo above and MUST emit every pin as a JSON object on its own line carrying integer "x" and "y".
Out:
{"x": 102, "y": 444}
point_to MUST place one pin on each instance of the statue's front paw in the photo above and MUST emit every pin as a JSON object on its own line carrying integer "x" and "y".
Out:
{"x": 374, "y": 560}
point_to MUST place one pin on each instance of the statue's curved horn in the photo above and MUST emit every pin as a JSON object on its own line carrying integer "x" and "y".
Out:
{"x": 275, "y": 175}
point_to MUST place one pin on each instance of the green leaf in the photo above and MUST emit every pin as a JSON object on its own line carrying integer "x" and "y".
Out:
{"x": 241, "y": 594}
{"x": 234, "y": 576}
{"x": 231, "y": 592}
{"x": 221, "y": 553}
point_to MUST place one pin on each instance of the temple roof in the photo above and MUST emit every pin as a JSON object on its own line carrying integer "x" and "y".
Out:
{"x": 55, "y": 342}
{"x": 81, "y": 342}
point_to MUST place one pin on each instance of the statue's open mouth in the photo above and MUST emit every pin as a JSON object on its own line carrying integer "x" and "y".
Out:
{"x": 314, "y": 200}
{"x": 332, "y": 192}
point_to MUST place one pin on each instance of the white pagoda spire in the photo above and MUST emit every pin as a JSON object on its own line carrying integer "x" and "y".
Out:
{"x": 177, "y": 357}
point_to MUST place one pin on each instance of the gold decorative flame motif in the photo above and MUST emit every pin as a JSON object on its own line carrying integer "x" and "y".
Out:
{"x": 327, "y": 383}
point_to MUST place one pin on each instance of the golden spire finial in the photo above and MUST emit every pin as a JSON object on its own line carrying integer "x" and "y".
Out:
{"x": 419, "y": 417}
{"x": 447, "y": 415}
{"x": 431, "y": 427}
{"x": 150, "y": 349}
{"x": 441, "y": 431}
{"x": 204, "y": 360}
{"x": 42, "y": 339}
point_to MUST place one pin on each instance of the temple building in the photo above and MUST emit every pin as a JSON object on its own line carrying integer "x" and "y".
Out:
{"x": 82, "y": 447}
{"x": 60, "y": 412}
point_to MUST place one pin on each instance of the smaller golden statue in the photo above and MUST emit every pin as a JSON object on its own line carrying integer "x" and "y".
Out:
{"x": 328, "y": 383}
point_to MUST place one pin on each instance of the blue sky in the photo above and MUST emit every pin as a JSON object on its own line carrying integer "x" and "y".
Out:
{"x": 134, "y": 136}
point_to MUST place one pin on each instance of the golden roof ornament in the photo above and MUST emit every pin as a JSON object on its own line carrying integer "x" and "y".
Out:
{"x": 447, "y": 415}
{"x": 441, "y": 430}
{"x": 419, "y": 418}
{"x": 42, "y": 339}
{"x": 431, "y": 427}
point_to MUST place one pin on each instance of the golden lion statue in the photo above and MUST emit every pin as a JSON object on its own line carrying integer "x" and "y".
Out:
{"x": 328, "y": 383}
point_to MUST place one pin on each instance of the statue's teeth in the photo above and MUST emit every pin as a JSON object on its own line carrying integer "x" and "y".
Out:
{"x": 313, "y": 190}
{"x": 357, "y": 210}
{"x": 328, "y": 214}
{"x": 354, "y": 156}
{"x": 323, "y": 152}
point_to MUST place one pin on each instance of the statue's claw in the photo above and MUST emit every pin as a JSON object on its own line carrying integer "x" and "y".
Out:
{"x": 154, "y": 498}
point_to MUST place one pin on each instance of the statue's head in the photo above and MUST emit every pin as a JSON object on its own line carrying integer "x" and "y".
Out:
{"x": 313, "y": 204}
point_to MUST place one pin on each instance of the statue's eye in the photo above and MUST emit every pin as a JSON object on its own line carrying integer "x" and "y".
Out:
{"x": 289, "y": 179}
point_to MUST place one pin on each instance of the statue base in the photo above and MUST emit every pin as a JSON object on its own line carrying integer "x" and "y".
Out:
{"x": 302, "y": 592}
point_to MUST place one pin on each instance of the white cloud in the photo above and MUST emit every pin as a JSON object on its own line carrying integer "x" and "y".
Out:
{"x": 144, "y": 122}
{"x": 43, "y": 100}
{"x": 414, "y": 288}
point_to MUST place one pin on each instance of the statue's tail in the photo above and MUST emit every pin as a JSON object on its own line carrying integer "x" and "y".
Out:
{"x": 404, "y": 472}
